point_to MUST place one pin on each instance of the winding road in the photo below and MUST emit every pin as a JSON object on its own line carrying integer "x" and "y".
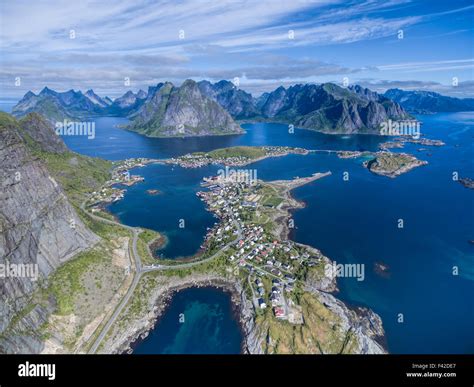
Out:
{"x": 140, "y": 270}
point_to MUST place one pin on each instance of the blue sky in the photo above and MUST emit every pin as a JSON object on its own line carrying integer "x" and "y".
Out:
{"x": 64, "y": 44}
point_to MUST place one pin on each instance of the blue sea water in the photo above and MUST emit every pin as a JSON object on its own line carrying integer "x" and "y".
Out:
{"x": 113, "y": 143}
{"x": 356, "y": 222}
{"x": 352, "y": 221}
{"x": 176, "y": 211}
{"x": 197, "y": 321}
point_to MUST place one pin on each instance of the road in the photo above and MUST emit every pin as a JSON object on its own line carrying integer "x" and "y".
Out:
{"x": 140, "y": 270}
{"x": 254, "y": 299}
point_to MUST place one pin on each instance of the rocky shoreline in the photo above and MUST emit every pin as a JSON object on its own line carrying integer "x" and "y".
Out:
{"x": 385, "y": 163}
{"x": 156, "y": 244}
{"x": 380, "y": 166}
{"x": 251, "y": 343}
{"x": 363, "y": 322}
{"x": 289, "y": 203}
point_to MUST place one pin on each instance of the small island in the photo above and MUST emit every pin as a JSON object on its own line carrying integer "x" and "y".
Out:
{"x": 384, "y": 163}
{"x": 392, "y": 164}
{"x": 153, "y": 192}
{"x": 391, "y": 145}
{"x": 467, "y": 182}
{"x": 353, "y": 154}
{"x": 382, "y": 269}
{"x": 399, "y": 142}
{"x": 420, "y": 141}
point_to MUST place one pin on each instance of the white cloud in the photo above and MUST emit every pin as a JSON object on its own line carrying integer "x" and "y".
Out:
{"x": 225, "y": 38}
{"x": 429, "y": 65}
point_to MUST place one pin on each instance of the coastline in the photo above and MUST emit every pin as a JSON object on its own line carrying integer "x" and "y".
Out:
{"x": 364, "y": 322}
{"x": 270, "y": 120}
{"x": 222, "y": 285}
{"x": 289, "y": 203}
{"x": 158, "y": 243}
{"x": 192, "y": 160}
{"x": 129, "y": 129}
{"x": 242, "y": 311}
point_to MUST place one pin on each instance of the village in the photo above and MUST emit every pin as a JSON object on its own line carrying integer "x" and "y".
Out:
{"x": 110, "y": 193}
{"x": 246, "y": 210}
{"x": 273, "y": 267}
{"x": 234, "y": 156}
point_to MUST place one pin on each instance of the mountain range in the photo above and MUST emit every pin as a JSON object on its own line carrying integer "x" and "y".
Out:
{"x": 205, "y": 108}
{"x": 330, "y": 108}
{"x": 429, "y": 102}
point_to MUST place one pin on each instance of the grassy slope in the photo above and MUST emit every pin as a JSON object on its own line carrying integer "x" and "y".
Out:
{"x": 319, "y": 334}
{"x": 77, "y": 174}
{"x": 392, "y": 161}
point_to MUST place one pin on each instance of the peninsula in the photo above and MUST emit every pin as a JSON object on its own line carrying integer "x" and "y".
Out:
{"x": 280, "y": 287}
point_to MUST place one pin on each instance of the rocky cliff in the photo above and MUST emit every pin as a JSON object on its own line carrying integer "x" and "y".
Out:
{"x": 363, "y": 323}
{"x": 38, "y": 227}
{"x": 40, "y": 134}
{"x": 240, "y": 104}
{"x": 182, "y": 111}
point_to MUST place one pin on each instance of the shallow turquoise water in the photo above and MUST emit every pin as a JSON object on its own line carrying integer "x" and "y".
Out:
{"x": 197, "y": 321}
